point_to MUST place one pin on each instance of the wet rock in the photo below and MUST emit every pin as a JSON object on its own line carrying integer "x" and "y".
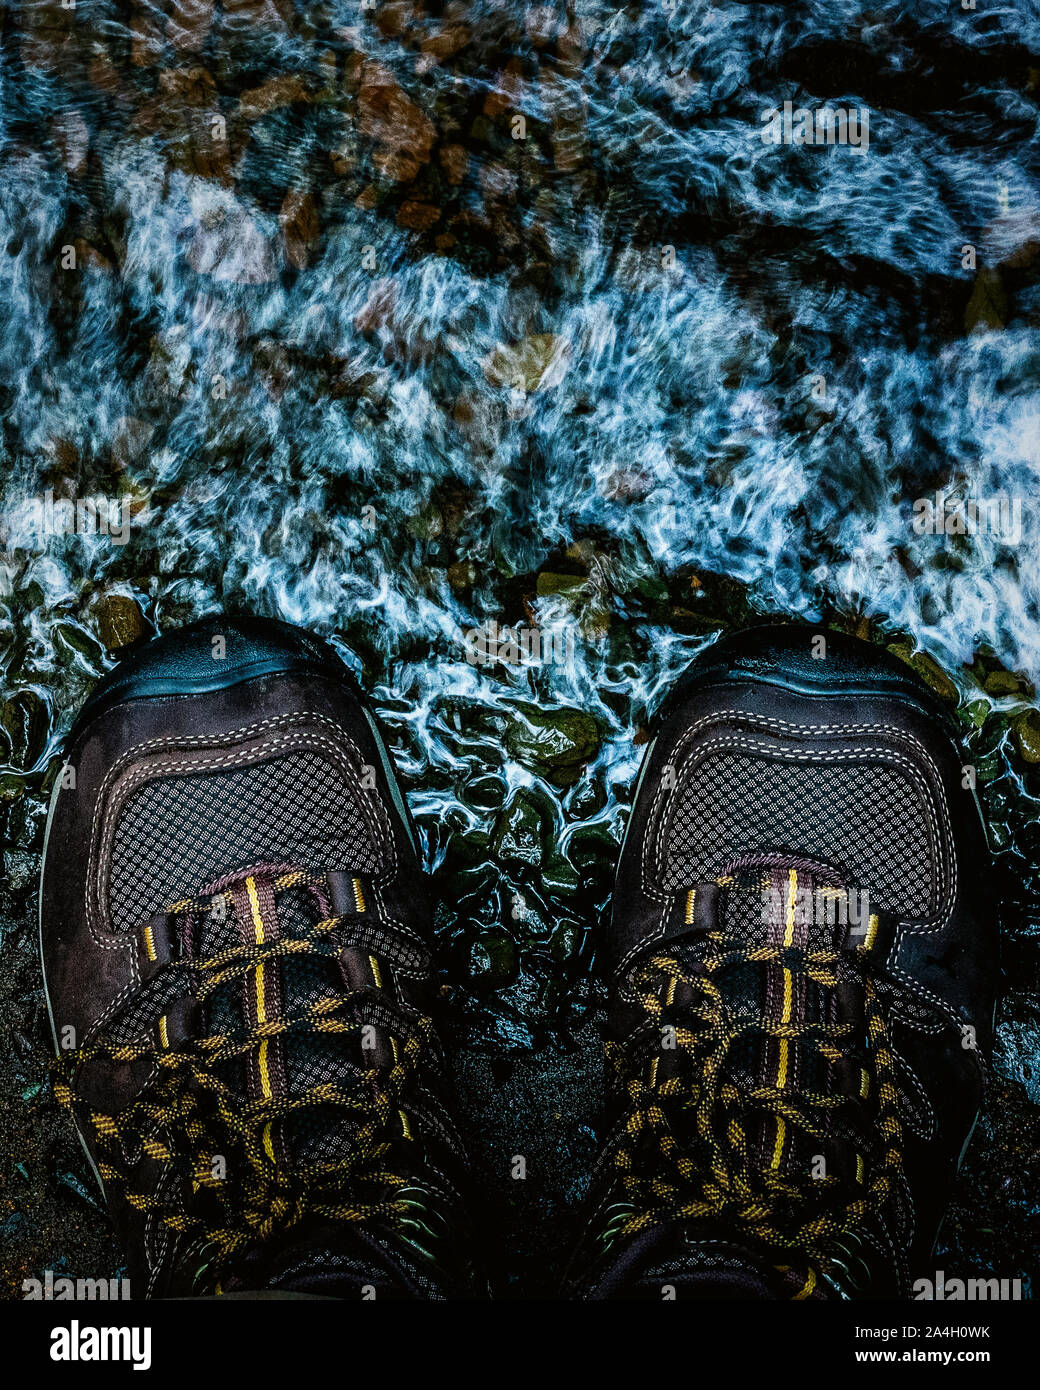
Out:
{"x": 537, "y": 363}
{"x": 402, "y": 131}
{"x": 103, "y": 75}
{"x": 498, "y": 182}
{"x": 417, "y": 216}
{"x": 24, "y": 720}
{"x": 1001, "y": 683}
{"x": 987, "y": 308}
{"x": 566, "y": 104}
{"x": 244, "y": 16}
{"x": 571, "y": 585}
{"x": 185, "y": 112}
{"x": 554, "y": 743}
{"x": 1026, "y": 730}
{"x": 88, "y": 257}
{"x": 929, "y": 670}
{"x": 119, "y": 621}
{"x": 520, "y": 830}
{"x": 146, "y": 40}
{"x": 493, "y": 959}
{"x": 71, "y": 638}
{"x": 507, "y": 93}
{"x": 454, "y": 161}
{"x": 343, "y": 156}
{"x": 130, "y": 439}
{"x": 542, "y": 23}
{"x": 693, "y": 624}
{"x": 446, "y": 42}
{"x": 188, "y": 24}
{"x": 485, "y": 791}
{"x": 285, "y": 90}
{"x": 469, "y": 848}
{"x": 72, "y": 137}
{"x": 480, "y": 420}
{"x": 300, "y": 227}
{"x": 560, "y": 877}
{"x": 565, "y": 940}
{"x": 231, "y": 247}
{"x": 462, "y": 575}
{"x": 20, "y": 868}
{"x": 1012, "y": 242}
{"x": 11, "y": 787}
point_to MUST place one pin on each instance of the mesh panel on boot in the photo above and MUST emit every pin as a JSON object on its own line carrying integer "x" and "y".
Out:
{"x": 867, "y": 819}
{"x": 178, "y": 833}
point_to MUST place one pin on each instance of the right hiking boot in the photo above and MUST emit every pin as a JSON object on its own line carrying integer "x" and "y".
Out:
{"x": 803, "y": 962}
{"x": 235, "y": 933}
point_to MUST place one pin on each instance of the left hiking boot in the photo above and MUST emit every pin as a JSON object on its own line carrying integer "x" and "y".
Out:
{"x": 803, "y": 961}
{"x": 235, "y": 937}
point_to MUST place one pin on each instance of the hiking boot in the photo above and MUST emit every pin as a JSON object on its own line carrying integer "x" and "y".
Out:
{"x": 235, "y": 937}
{"x": 803, "y": 963}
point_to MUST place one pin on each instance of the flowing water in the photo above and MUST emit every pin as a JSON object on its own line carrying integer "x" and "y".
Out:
{"x": 398, "y": 321}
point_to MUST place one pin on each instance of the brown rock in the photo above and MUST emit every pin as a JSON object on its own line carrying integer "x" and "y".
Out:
{"x": 130, "y": 438}
{"x": 401, "y": 129}
{"x": 300, "y": 226}
{"x": 446, "y": 42}
{"x": 378, "y": 310}
{"x": 119, "y": 621}
{"x": 103, "y": 74}
{"x": 417, "y": 216}
{"x": 186, "y": 112}
{"x": 567, "y": 107}
{"x": 498, "y": 182}
{"x": 398, "y": 165}
{"x": 145, "y": 40}
{"x": 462, "y": 575}
{"x": 454, "y": 162}
{"x": 272, "y": 15}
{"x": 542, "y": 24}
{"x": 270, "y": 96}
{"x": 508, "y": 91}
{"x": 188, "y": 23}
{"x": 90, "y": 258}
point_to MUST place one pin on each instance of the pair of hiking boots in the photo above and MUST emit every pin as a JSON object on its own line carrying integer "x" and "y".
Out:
{"x": 802, "y": 961}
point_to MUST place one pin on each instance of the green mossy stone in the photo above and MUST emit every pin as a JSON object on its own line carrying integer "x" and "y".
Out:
{"x": 11, "y": 787}
{"x": 554, "y": 743}
{"x": 565, "y": 941}
{"x": 24, "y": 719}
{"x": 520, "y": 830}
{"x": 929, "y": 670}
{"x": 469, "y": 848}
{"x": 570, "y": 585}
{"x": 559, "y": 876}
{"x": 1004, "y": 683}
{"x": 493, "y": 959}
{"x": 119, "y": 621}
{"x": 1026, "y": 730}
